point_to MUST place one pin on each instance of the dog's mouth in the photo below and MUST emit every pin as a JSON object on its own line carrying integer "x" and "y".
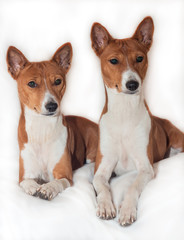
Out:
{"x": 35, "y": 109}
{"x": 47, "y": 114}
{"x": 50, "y": 114}
{"x": 131, "y": 92}
{"x": 123, "y": 91}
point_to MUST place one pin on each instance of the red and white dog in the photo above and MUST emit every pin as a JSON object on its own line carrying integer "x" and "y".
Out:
{"x": 51, "y": 145}
{"x": 130, "y": 137}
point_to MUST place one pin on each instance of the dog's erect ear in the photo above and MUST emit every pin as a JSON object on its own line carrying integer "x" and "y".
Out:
{"x": 16, "y": 61}
{"x": 100, "y": 38}
{"x": 63, "y": 56}
{"x": 144, "y": 32}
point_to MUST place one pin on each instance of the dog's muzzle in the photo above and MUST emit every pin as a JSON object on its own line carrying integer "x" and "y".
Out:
{"x": 132, "y": 85}
{"x": 51, "y": 107}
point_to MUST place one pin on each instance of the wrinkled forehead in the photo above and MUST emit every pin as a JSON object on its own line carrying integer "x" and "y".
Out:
{"x": 123, "y": 48}
{"x": 41, "y": 70}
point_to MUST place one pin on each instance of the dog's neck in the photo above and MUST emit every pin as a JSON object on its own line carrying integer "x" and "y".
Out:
{"x": 124, "y": 104}
{"x": 42, "y": 128}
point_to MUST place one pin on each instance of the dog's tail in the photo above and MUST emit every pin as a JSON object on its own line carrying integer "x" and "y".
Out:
{"x": 174, "y": 135}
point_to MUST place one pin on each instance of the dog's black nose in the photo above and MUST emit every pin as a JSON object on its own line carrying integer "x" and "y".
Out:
{"x": 51, "y": 106}
{"x": 132, "y": 85}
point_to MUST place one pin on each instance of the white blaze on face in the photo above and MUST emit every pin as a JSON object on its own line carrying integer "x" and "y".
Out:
{"x": 47, "y": 99}
{"x": 127, "y": 76}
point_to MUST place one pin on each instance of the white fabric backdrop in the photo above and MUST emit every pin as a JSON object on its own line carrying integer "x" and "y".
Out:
{"x": 38, "y": 28}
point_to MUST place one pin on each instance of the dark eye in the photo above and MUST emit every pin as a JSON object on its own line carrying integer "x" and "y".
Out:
{"x": 32, "y": 84}
{"x": 113, "y": 61}
{"x": 139, "y": 59}
{"x": 57, "y": 82}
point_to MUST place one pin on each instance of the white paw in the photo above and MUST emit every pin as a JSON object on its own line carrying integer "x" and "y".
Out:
{"x": 106, "y": 210}
{"x": 30, "y": 186}
{"x": 47, "y": 191}
{"x": 51, "y": 189}
{"x": 127, "y": 213}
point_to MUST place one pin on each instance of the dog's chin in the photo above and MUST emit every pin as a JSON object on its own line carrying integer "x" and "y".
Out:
{"x": 47, "y": 114}
{"x": 132, "y": 93}
{"x": 50, "y": 114}
{"x": 114, "y": 91}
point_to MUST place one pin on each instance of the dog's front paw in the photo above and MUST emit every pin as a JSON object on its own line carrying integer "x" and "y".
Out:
{"x": 47, "y": 191}
{"x": 30, "y": 186}
{"x": 127, "y": 213}
{"x": 106, "y": 210}
{"x": 51, "y": 189}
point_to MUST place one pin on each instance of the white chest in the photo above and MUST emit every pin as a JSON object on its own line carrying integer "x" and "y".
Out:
{"x": 46, "y": 143}
{"x": 124, "y": 130}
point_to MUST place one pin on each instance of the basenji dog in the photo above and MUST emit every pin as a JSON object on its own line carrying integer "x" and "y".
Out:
{"x": 130, "y": 137}
{"x": 51, "y": 144}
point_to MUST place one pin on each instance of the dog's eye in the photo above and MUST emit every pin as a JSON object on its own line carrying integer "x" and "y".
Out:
{"x": 32, "y": 84}
{"x": 139, "y": 59}
{"x": 113, "y": 61}
{"x": 57, "y": 81}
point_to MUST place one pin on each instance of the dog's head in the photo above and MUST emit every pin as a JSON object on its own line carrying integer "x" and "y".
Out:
{"x": 123, "y": 61}
{"x": 41, "y": 85}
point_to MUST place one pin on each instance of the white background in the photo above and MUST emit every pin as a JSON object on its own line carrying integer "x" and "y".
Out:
{"x": 39, "y": 27}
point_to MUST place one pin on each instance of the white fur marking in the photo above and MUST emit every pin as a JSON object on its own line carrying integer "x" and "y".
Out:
{"x": 51, "y": 189}
{"x": 48, "y": 98}
{"x": 124, "y": 137}
{"x": 127, "y": 76}
{"x": 30, "y": 186}
{"x": 174, "y": 151}
{"x": 47, "y": 138}
{"x": 88, "y": 161}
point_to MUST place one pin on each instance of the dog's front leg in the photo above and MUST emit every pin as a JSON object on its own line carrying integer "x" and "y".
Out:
{"x": 105, "y": 208}
{"x": 62, "y": 174}
{"x": 128, "y": 207}
{"x": 28, "y": 174}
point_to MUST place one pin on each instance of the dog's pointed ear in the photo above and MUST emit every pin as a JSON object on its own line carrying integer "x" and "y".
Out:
{"x": 100, "y": 38}
{"x": 144, "y": 32}
{"x": 16, "y": 61}
{"x": 63, "y": 56}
